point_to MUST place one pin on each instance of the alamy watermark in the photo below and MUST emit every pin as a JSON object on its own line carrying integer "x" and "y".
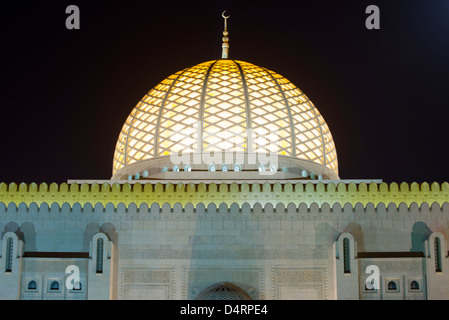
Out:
{"x": 373, "y": 281}
{"x": 73, "y": 280}
{"x": 73, "y": 20}
{"x": 373, "y": 20}
{"x": 238, "y": 146}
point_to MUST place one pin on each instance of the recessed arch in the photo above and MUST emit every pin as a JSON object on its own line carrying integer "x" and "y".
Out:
{"x": 223, "y": 291}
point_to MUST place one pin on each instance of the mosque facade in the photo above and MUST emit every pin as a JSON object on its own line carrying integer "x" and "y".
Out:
{"x": 224, "y": 185}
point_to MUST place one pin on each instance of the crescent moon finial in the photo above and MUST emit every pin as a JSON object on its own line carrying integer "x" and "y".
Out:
{"x": 225, "y": 45}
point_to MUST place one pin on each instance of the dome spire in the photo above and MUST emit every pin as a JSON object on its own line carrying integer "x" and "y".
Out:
{"x": 225, "y": 45}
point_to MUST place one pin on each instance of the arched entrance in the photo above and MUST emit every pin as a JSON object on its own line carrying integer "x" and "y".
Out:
{"x": 223, "y": 291}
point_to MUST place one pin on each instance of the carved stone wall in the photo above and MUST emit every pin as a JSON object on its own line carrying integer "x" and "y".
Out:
{"x": 146, "y": 283}
{"x": 299, "y": 282}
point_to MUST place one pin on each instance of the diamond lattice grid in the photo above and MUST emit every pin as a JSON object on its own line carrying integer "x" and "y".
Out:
{"x": 136, "y": 139}
{"x": 178, "y": 128}
{"x": 226, "y": 105}
{"x": 142, "y": 131}
{"x": 268, "y": 112}
{"x": 313, "y": 139}
{"x": 223, "y": 292}
{"x": 224, "y": 118}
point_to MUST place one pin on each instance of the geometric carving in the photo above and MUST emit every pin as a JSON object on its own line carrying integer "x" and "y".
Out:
{"x": 146, "y": 292}
{"x": 286, "y": 292}
{"x": 146, "y": 276}
{"x": 299, "y": 282}
{"x": 146, "y": 283}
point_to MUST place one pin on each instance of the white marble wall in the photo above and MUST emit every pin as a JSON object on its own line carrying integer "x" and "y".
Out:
{"x": 279, "y": 252}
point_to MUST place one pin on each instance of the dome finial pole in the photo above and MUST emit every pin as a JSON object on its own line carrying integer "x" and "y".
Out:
{"x": 225, "y": 45}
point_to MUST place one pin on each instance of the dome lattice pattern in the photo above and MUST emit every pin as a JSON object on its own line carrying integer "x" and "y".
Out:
{"x": 225, "y": 97}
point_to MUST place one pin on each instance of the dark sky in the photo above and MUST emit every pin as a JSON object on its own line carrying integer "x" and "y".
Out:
{"x": 65, "y": 94}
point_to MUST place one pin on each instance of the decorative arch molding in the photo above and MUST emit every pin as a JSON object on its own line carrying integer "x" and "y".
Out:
{"x": 431, "y": 240}
{"x": 246, "y": 208}
{"x": 223, "y": 291}
{"x": 309, "y": 192}
{"x": 100, "y": 251}
{"x": 12, "y": 249}
{"x": 436, "y": 251}
{"x": 346, "y": 252}
{"x": 340, "y": 239}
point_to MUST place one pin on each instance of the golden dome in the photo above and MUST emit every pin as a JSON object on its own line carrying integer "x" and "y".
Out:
{"x": 224, "y": 97}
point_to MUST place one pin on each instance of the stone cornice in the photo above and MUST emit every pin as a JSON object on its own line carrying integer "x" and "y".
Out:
{"x": 299, "y": 193}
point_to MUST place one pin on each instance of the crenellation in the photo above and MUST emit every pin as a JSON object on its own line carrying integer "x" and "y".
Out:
{"x": 128, "y": 193}
{"x": 279, "y": 232}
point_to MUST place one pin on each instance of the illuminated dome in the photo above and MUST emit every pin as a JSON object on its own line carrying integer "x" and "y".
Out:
{"x": 210, "y": 107}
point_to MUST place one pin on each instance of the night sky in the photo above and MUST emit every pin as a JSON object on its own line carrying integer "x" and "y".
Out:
{"x": 65, "y": 94}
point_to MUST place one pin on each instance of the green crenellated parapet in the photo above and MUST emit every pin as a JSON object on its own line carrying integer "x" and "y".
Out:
{"x": 297, "y": 193}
